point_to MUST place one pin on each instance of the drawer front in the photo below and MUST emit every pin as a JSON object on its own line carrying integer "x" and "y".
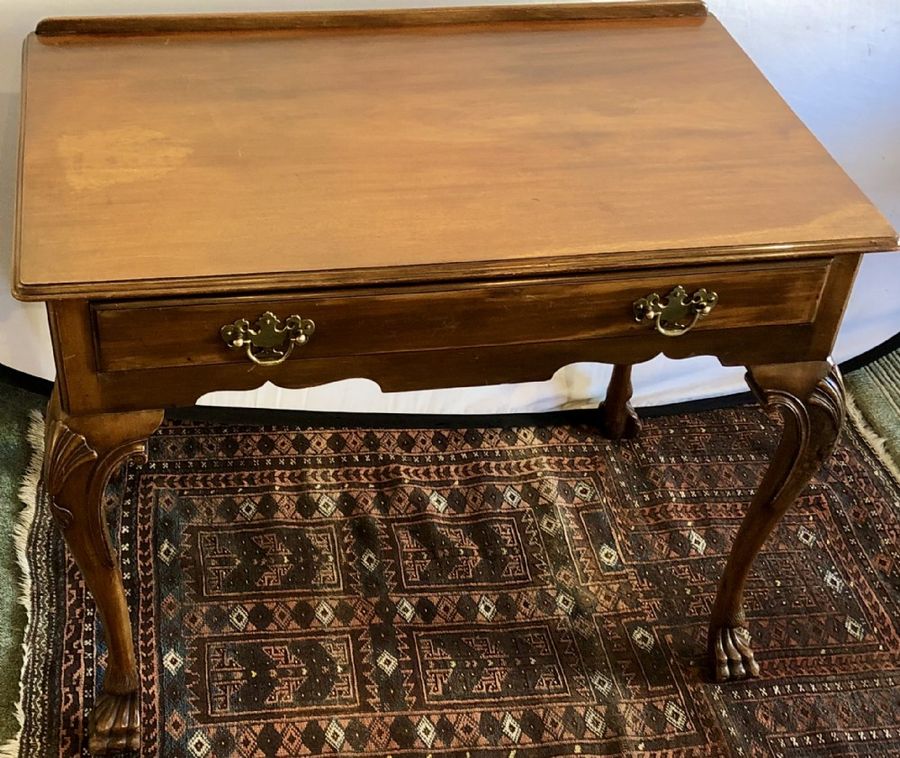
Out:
{"x": 158, "y": 333}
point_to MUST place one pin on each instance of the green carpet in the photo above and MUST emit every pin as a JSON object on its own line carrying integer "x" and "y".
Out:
{"x": 875, "y": 388}
{"x": 15, "y": 407}
{"x": 875, "y": 400}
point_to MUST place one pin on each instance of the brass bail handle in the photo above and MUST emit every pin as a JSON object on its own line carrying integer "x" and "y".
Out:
{"x": 266, "y": 341}
{"x": 678, "y": 313}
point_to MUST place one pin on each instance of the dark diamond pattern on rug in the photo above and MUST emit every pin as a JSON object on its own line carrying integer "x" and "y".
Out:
{"x": 526, "y": 591}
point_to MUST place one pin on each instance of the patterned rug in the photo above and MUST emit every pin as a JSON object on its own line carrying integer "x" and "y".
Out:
{"x": 518, "y": 591}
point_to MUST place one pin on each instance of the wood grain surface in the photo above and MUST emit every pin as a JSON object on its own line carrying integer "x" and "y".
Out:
{"x": 201, "y": 163}
{"x": 137, "y": 354}
{"x": 156, "y": 333}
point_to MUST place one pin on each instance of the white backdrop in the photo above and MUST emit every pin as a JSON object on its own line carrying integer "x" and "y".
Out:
{"x": 837, "y": 62}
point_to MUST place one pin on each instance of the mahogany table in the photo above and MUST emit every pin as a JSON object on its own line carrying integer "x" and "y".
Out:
{"x": 426, "y": 198}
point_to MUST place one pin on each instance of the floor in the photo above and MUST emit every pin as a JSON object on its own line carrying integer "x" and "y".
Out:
{"x": 874, "y": 389}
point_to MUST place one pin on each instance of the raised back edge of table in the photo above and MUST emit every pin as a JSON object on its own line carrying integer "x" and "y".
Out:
{"x": 365, "y": 19}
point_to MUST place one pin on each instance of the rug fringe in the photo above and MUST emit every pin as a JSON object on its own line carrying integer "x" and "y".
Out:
{"x": 874, "y": 440}
{"x": 28, "y": 493}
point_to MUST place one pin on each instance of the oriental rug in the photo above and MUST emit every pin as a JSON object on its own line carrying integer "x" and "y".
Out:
{"x": 504, "y": 589}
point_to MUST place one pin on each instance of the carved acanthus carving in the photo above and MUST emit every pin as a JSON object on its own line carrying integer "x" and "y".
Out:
{"x": 80, "y": 455}
{"x": 828, "y": 395}
{"x": 65, "y": 451}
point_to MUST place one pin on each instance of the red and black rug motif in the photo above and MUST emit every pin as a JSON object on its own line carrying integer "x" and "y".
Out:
{"x": 518, "y": 591}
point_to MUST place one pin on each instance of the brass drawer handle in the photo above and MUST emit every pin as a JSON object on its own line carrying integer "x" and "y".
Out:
{"x": 267, "y": 342}
{"x": 679, "y": 312}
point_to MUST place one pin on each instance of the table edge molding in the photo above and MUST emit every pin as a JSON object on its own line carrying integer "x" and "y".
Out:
{"x": 439, "y": 274}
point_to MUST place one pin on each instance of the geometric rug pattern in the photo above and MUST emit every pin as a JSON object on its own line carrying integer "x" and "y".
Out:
{"x": 521, "y": 590}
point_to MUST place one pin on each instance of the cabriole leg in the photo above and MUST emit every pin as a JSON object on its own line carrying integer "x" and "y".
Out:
{"x": 80, "y": 454}
{"x": 809, "y": 397}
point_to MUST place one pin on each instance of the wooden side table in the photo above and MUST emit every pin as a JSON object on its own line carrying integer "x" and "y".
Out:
{"x": 425, "y": 198}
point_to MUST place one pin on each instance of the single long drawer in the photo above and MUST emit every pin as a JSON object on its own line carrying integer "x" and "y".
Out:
{"x": 156, "y": 333}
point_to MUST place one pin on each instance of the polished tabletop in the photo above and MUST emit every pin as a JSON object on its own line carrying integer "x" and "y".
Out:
{"x": 261, "y": 159}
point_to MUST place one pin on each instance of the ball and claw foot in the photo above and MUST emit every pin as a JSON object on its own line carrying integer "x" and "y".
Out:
{"x": 732, "y": 656}
{"x": 115, "y": 724}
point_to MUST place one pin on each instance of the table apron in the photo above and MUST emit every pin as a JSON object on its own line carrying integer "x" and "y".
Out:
{"x": 99, "y": 372}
